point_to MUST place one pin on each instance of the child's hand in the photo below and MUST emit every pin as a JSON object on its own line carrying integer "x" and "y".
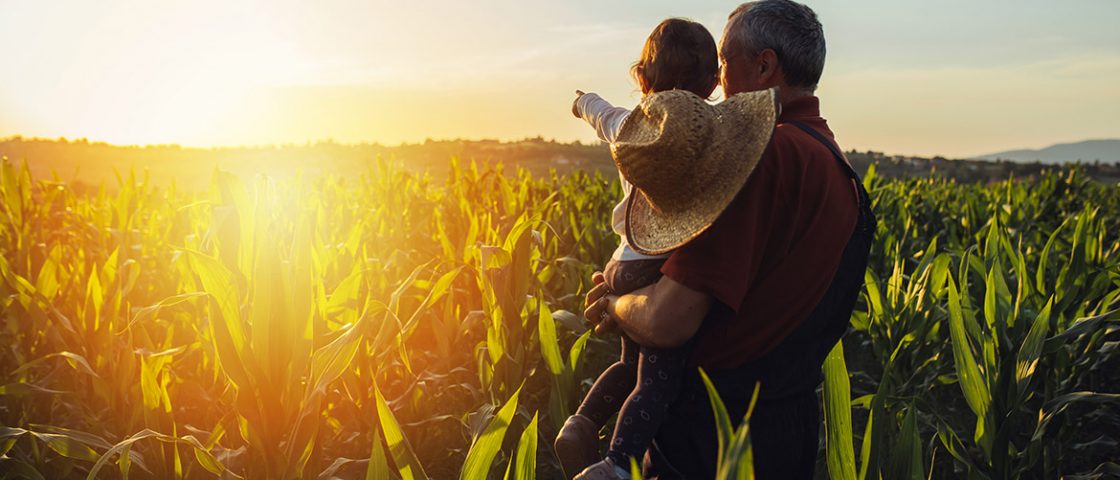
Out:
{"x": 575, "y": 109}
{"x": 597, "y": 302}
{"x": 607, "y": 326}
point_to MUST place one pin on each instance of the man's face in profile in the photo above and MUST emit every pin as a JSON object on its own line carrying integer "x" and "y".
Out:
{"x": 734, "y": 72}
{"x": 735, "y": 65}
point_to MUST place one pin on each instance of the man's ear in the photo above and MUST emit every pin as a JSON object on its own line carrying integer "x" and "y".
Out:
{"x": 768, "y": 67}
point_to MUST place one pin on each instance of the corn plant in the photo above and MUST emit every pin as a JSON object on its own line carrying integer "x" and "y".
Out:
{"x": 404, "y": 325}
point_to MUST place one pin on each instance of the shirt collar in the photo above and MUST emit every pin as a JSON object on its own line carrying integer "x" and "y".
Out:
{"x": 800, "y": 109}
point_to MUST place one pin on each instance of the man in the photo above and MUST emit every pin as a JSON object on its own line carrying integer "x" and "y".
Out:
{"x": 766, "y": 291}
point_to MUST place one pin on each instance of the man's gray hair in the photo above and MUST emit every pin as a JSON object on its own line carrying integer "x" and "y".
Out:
{"x": 787, "y": 27}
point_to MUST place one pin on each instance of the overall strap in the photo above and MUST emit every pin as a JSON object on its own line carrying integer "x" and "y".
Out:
{"x": 828, "y": 144}
{"x": 863, "y": 196}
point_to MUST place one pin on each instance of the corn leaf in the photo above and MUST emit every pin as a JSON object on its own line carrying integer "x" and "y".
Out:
{"x": 840, "y": 453}
{"x": 407, "y": 465}
{"x": 527, "y": 452}
{"x": 487, "y": 445}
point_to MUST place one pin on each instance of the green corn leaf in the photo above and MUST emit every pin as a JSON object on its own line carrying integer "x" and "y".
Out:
{"x": 939, "y": 274}
{"x": 343, "y": 301}
{"x": 378, "y": 467}
{"x": 723, "y": 421}
{"x": 990, "y": 292}
{"x": 229, "y": 335}
{"x": 973, "y": 384}
{"x": 145, "y": 313}
{"x": 550, "y": 352}
{"x": 25, "y": 388}
{"x": 17, "y": 468}
{"x": 407, "y": 465}
{"x": 1079, "y": 327}
{"x": 838, "y": 416}
{"x": 66, "y": 446}
{"x": 202, "y": 455}
{"x": 484, "y": 448}
{"x": 874, "y": 296}
{"x": 550, "y": 344}
{"x": 527, "y": 452}
{"x": 77, "y": 362}
{"x": 865, "y": 448}
{"x": 1031, "y": 349}
{"x": 906, "y": 456}
{"x": 576, "y": 352}
{"x": 332, "y": 359}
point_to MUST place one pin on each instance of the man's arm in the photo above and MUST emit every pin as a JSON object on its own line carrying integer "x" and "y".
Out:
{"x": 663, "y": 315}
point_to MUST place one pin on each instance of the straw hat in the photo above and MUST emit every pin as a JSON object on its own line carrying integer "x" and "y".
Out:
{"x": 687, "y": 160}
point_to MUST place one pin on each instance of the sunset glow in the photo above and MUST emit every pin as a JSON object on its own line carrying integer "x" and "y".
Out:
{"x": 218, "y": 73}
{"x": 288, "y": 240}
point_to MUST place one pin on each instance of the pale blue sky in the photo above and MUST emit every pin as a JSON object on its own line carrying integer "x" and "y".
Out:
{"x": 950, "y": 77}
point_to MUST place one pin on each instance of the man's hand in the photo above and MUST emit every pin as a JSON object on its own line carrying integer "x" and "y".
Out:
{"x": 663, "y": 315}
{"x": 575, "y": 109}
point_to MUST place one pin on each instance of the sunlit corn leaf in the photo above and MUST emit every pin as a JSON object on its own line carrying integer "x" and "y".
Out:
{"x": 1027, "y": 359}
{"x": 332, "y": 359}
{"x": 549, "y": 343}
{"x": 150, "y": 311}
{"x": 576, "y": 352}
{"x": 723, "y": 421}
{"x": 77, "y": 361}
{"x": 838, "y": 416}
{"x": 202, "y": 455}
{"x": 527, "y": 452}
{"x": 486, "y": 446}
{"x": 407, "y": 465}
{"x": 229, "y": 336}
{"x": 378, "y": 468}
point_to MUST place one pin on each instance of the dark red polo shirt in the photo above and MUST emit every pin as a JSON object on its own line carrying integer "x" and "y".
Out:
{"x": 770, "y": 257}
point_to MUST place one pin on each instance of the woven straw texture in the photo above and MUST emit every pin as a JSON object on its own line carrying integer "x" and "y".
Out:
{"x": 687, "y": 160}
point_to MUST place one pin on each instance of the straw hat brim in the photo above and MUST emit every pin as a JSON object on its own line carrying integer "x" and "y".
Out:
{"x": 744, "y": 125}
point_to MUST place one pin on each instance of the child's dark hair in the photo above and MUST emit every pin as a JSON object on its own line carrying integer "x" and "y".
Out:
{"x": 679, "y": 54}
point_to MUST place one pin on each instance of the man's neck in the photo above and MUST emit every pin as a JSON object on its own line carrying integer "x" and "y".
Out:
{"x": 787, "y": 95}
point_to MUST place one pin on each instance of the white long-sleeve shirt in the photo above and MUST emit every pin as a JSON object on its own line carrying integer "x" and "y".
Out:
{"x": 607, "y": 119}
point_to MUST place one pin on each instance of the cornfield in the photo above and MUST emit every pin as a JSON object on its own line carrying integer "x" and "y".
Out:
{"x": 398, "y": 325}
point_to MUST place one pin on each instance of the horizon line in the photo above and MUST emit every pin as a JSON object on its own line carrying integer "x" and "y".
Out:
{"x": 502, "y": 141}
{"x": 321, "y": 141}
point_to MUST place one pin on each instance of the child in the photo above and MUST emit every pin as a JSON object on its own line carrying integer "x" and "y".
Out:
{"x": 681, "y": 55}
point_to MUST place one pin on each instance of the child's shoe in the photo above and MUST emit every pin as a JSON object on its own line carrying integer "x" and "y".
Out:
{"x": 604, "y": 470}
{"x": 577, "y": 444}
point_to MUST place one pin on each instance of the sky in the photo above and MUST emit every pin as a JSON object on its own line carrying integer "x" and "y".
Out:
{"x": 953, "y": 77}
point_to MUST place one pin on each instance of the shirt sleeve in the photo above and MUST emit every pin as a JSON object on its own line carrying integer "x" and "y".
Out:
{"x": 605, "y": 118}
{"x": 725, "y": 260}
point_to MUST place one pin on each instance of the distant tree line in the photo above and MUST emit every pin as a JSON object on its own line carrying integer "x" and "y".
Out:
{"x": 96, "y": 163}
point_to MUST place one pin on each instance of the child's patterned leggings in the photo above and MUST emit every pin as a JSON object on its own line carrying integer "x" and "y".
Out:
{"x": 642, "y": 384}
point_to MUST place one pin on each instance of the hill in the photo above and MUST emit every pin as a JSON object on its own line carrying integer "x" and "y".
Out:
{"x": 1088, "y": 151}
